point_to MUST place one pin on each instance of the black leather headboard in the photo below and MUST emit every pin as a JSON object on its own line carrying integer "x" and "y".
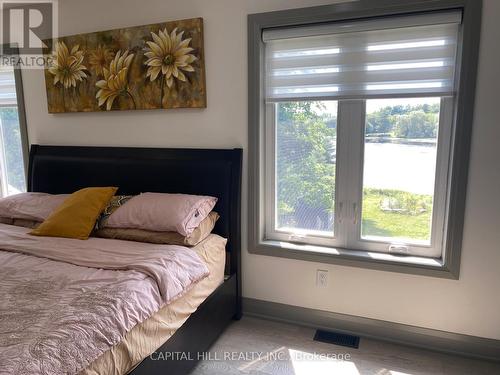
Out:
{"x": 65, "y": 169}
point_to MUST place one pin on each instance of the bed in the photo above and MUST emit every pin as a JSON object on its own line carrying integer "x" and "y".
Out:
{"x": 64, "y": 169}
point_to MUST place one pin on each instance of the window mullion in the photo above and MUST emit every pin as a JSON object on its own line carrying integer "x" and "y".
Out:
{"x": 342, "y": 173}
{"x": 350, "y": 130}
{"x": 352, "y": 114}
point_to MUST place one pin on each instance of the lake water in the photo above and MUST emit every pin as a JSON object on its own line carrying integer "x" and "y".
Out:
{"x": 405, "y": 167}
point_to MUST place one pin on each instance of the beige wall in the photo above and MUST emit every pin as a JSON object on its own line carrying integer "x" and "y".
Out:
{"x": 470, "y": 305}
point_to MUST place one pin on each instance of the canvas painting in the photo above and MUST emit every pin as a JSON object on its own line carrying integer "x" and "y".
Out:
{"x": 143, "y": 67}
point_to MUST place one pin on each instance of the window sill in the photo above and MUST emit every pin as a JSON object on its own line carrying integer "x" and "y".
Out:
{"x": 356, "y": 258}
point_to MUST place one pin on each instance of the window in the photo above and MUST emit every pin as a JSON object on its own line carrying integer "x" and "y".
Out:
{"x": 403, "y": 192}
{"x": 302, "y": 184}
{"x": 356, "y": 141}
{"x": 13, "y": 142}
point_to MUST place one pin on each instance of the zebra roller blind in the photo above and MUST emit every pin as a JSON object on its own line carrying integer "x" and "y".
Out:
{"x": 414, "y": 55}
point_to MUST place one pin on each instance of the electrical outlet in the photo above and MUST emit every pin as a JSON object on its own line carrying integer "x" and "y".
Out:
{"x": 321, "y": 278}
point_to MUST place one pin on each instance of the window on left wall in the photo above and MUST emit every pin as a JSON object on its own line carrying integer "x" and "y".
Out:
{"x": 13, "y": 135}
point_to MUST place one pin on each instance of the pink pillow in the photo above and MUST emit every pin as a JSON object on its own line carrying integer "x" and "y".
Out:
{"x": 161, "y": 212}
{"x": 30, "y": 206}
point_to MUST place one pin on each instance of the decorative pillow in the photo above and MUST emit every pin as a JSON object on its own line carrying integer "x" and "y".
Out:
{"x": 115, "y": 202}
{"x": 161, "y": 212}
{"x": 168, "y": 238}
{"x": 76, "y": 217}
{"x": 30, "y": 206}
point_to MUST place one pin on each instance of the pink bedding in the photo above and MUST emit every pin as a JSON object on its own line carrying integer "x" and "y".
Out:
{"x": 64, "y": 302}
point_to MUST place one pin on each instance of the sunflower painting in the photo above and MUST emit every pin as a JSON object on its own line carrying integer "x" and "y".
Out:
{"x": 143, "y": 67}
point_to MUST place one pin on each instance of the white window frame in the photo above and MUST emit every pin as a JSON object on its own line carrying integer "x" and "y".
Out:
{"x": 459, "y": 109}
{"x": 354, "y": 195}
{"x": 349, "y": 186}
{"x": 270, "y": 194}
{"x": 23, "y": 128}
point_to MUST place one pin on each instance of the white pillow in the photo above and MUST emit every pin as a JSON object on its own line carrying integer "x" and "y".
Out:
{"x": 162, "y": 212}
{"x": 30, "y": 206}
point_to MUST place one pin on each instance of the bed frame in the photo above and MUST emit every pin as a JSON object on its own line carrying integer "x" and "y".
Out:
{"x": 65, "y": 169}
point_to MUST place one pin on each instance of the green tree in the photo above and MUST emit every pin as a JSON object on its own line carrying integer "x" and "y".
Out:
{"x": 305, "y": 168}
{"x": 416, "y": 124}
{"x": 384, "y": 120}
{"x": 13, "y": 150}
{"x": 379, "y": 122}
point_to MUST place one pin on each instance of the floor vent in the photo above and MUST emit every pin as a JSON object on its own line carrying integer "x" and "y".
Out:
{"x": 337, "y": 338}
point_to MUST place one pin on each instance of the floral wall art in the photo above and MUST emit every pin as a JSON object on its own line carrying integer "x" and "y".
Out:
{"x": 143, "y": 67}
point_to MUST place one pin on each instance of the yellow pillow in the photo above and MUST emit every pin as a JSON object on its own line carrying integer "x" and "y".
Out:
{"x": 75, "y": 218}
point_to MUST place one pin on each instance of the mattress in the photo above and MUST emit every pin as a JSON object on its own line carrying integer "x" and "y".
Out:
{"x": 146, "y": 337}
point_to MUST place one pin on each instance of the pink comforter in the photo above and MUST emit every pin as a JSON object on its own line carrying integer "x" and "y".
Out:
{"x": 64, "y": 302}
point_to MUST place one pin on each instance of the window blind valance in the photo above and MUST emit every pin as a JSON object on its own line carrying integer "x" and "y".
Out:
{"x": 402, "y": 55}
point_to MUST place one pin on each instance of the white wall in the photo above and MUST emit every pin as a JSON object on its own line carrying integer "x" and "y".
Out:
{"x": 470, "y": 305}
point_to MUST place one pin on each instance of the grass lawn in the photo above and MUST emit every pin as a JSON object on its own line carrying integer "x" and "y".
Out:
{"x": 377, "y": 222}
